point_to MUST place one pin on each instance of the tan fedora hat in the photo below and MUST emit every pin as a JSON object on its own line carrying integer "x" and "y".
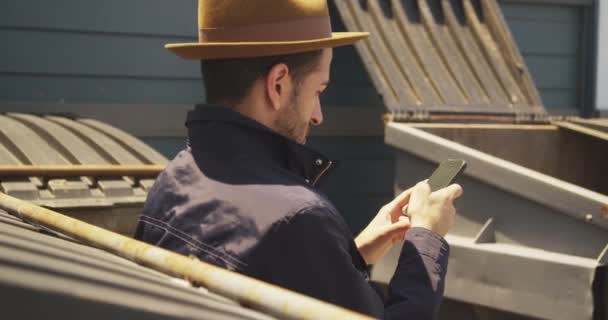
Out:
{"x": 256, "y": 28}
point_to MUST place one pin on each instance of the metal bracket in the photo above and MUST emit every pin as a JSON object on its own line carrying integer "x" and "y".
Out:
{"x": 487, "y": 233}
{"x": 411, "y": 116}
{"x": 531, "y": 117}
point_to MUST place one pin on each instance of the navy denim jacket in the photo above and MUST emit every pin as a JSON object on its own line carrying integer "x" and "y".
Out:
{"x": 244, "y": 198}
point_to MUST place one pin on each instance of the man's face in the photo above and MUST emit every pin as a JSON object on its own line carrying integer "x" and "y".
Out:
{"x": 304, "y": 107}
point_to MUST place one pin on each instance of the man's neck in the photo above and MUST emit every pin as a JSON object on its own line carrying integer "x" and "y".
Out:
{"x": 255, "y": 111}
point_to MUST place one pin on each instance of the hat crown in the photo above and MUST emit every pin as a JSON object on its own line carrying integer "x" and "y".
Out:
{"x": 263, "y": 20}
{"x": 234, "y": 13}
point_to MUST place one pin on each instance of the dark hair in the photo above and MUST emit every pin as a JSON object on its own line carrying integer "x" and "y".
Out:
{"x": 230, "y": 80}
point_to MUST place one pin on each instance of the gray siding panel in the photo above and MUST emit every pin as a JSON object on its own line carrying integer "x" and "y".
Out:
{"x": 554, "y": 72}
{"x": 548, "y": 36}
{"x": 143, "y": 17}
{"x": 82, "y": 89}
{"x": 543, "y": 37}
{"x": 37, "y": 51}
{"x": 169, "y": 147}
{"x": 121, "y": 39}
{"x": 543, "y": 12}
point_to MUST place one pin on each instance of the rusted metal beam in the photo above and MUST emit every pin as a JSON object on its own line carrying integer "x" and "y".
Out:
{"x": 80, "y": 170}
{"x": 261, "y": 296}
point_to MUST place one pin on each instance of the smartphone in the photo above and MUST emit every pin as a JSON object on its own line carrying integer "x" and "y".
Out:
{"x": 444, "y": 175}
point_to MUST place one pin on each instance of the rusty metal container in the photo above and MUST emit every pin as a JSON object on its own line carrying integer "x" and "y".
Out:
{"x": 110, "y": 202}
{"x": 47, "y": 275}
{"x": 531, "y": 238}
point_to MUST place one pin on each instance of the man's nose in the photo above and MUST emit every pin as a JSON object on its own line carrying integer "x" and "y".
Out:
{"x": 317, "y": 117}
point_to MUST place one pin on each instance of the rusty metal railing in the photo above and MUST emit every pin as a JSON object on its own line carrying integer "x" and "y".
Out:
{"x": 258, "y": 295}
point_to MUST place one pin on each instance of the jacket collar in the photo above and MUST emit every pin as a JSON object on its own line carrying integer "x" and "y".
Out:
{"x": 299, "y": 159}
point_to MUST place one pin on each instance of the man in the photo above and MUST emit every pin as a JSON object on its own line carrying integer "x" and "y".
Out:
{"x": 243, "y": 194}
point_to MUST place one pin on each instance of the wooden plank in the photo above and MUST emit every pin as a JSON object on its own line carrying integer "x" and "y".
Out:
{"x": 471, "y": 50}
{"x": 414, "y": 32}
{"x": 487, "y": 126}
{"x": 451, "y": 54}
{"x": 401, "y": 51}
{"x": 582, "y": 130}
{"x": 384, "y": 59}
{"x": 379, "y": 78}
{"x": 595, "y": 124}
{"x": 496, "y": 59}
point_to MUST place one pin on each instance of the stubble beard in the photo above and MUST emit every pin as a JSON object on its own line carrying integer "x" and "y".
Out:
{"x": 290, "y": 123}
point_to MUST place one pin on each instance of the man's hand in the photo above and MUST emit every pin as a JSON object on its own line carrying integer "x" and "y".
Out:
{"x": 386, "y": 229}
{"x": 433, "y": 211}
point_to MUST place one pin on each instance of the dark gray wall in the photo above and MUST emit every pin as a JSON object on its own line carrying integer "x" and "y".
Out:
{"x": 550, "y": 39}
{"x": 111, "y": 51}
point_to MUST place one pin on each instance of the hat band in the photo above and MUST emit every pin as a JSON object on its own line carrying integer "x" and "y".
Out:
{"x": 295, "y": 30}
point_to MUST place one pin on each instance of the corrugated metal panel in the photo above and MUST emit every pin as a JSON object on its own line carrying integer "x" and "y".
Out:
{"x": 53, "y": 140}
{"x": 442, "y": 56}
{"x": 43, "y": 274}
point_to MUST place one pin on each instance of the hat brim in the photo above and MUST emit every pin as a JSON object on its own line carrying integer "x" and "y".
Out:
{"x": 225, "y": 50}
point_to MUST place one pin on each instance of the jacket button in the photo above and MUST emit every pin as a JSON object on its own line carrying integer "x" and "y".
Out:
{"x": 318, "y": 162}
{"x": 307, "y": 181}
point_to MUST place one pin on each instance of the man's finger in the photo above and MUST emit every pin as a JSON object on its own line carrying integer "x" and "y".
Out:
{"x": 421, "y": 192}
{"x": 403, "y": 198}
{"x": 450, "y": 192}
{"x": 454, "y": 190}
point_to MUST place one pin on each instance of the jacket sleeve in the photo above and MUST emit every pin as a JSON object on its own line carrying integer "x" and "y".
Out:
{"x": 312, "y": 256}
{"x": 314, "y": 250}
{"x": 416, "y": 289}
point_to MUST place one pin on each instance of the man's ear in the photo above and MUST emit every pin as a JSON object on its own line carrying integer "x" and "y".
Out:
{"x": 278, "y": 85}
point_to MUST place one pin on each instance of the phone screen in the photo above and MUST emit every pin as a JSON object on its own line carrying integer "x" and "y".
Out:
{"x": 445, "y": 174}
